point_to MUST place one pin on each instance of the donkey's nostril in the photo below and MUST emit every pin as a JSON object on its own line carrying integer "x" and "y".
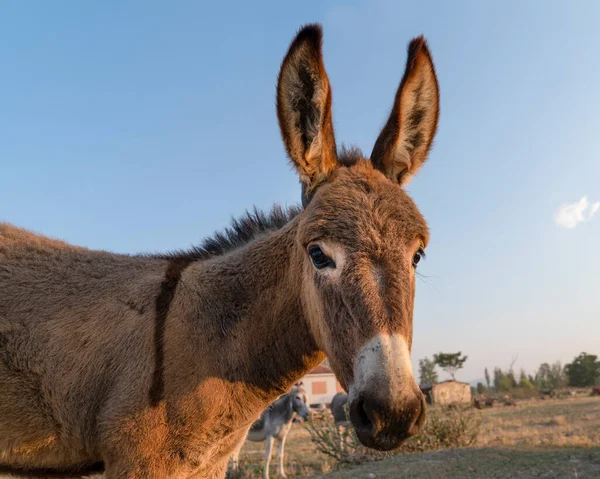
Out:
{"x": 361, "y": 417}
{"x": 363, "y": 414}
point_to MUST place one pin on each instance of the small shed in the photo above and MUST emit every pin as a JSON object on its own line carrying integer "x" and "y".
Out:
{"x": 321, "y": 385}
{"x": 447, "y": 393}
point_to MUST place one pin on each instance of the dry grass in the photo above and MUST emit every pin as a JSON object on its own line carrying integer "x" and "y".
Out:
{"x": 302, "y": 459}
{"x": 573, "y": 422}
{"x": 542, "y": 439}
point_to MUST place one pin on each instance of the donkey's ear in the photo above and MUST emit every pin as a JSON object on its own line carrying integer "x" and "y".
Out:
{"x": 304, "y": 109}
{"x": 405, "y": 140}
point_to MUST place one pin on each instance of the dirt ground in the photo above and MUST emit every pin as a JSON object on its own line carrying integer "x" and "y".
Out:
{"x": 476, "y": 463}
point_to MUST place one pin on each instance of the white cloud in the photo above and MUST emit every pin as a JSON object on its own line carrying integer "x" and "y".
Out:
{"x": 570, "y": 215}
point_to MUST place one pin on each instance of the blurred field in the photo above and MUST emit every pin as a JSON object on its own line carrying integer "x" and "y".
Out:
{"x": 553, "y": 438}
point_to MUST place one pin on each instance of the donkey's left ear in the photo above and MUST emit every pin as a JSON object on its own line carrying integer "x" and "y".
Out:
{"x": 405, "y": 140}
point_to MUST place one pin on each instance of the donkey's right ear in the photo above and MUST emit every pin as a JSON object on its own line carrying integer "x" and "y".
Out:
{"x": 304, "y": 109}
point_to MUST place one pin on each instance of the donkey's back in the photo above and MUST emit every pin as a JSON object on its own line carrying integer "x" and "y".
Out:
{"x": 70, "y": 285}
{"x": 72, "y": 325}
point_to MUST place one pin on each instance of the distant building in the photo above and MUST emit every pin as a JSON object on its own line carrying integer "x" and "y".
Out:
{"x": 448, "y": 392}
{"x": 321, "y": 385}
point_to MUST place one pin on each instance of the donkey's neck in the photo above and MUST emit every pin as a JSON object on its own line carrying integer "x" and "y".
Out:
{"x": 247, "y": 314}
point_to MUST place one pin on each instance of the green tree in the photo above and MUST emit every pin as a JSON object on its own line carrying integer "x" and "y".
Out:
{"x": 503, "y": 382}
{"x": 550, "y": 376}
{"x": 497, "y": 378}
{"x": 584, "y": 371}
{"x": 524, "y": 382}
{"x": 511, "y": 379}
{"x": 542, "y": 377}
{"x": 450, "y": 362}
{"x": 487, "y": 377}
{"x": 480, "y": 388}
{"x": 427, "y": 373}
{"x": 510, "y": 375}
{"x": 558, "y": 375}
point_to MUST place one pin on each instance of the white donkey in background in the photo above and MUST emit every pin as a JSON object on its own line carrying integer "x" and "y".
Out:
{"x": 275, "y": 423}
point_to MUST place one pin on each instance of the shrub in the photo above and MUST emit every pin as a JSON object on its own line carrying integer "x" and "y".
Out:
{"x": 339, "y": 443}
{"x": 445, "y": 427}
{"x": 524, "y": 393}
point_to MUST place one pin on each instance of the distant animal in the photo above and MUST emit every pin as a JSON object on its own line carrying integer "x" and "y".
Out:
{"x": 483, "y": 402}
{"x": 338, "y": 409}
{"x": 340, "y": 415}
{"x": 275, "y": 423}
{"x": 155, "y": 366}
{"x": 596, "y": 391}
{"x": 547, "y": 393}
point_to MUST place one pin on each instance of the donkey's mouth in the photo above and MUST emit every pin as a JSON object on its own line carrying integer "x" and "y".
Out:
{"x": 381, "y": 443}
{"x": 377, "y": 429}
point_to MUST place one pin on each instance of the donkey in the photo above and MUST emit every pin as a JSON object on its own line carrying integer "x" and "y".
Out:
{"x": 338, "y": 409}
{"x": 275, "y": 423}
{"x": 156, "y": 366}
{"x": 340, "y": 417}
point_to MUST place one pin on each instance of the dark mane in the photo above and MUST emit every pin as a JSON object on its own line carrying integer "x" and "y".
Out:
{"x": 250, "y": 225}
{"x": 349, "y": 155}
{"x": 241, "y": 231}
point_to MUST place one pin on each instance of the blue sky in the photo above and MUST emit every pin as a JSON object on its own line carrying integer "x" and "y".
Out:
{"x": 144, "y": 126}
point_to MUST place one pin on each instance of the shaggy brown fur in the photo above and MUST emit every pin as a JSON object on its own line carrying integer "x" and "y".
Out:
{"x": 156, "y": 366}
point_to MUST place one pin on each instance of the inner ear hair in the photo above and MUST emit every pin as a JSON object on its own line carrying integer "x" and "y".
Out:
{"x": 304, "y": 109}
{"x": 403, "y": 144}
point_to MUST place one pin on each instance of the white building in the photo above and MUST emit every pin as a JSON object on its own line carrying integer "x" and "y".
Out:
{"x": 321, "y": 385}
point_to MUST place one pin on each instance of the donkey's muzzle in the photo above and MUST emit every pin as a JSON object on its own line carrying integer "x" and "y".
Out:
{"x": 385, "y": 424}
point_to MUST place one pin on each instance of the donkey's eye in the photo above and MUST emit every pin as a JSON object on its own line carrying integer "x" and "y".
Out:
{"x": 417, "y": 257}
{"x": 320, "y": 259}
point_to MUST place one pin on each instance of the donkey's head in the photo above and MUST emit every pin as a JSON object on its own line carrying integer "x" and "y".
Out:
{"x": 299, "y": 401}
{"x": 361, "y": 236}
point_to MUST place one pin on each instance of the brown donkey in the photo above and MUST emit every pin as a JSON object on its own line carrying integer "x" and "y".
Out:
{"x": 156, "y": 366}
